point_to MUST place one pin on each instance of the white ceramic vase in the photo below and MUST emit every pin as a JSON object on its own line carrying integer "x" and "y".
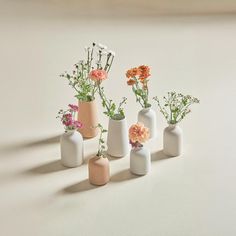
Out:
{"x": 147, "y": 116}
{"x": 72, "y": 151}
{"x": 172, "y": 140}
{"x": 117, "y": 138}
{"x": 140, "y": 161}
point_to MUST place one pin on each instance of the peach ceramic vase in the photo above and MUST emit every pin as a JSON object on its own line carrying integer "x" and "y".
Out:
{"x": 88, "y": 116}
{"x": 99, "y": 170}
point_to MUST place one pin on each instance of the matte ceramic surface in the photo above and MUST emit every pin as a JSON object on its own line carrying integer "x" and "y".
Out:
{"x": 72, "y": 151}
{"x": 99, "y": 170}
{"x": 147, "y": 116}
{"x": 88, "y": 116}
{"x": 173, "y": 140}
{"x": 140, "y": 161}
{"x": 117, "y": 138}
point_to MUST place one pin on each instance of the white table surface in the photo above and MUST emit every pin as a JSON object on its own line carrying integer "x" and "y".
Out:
{"x": 190, "y": 195}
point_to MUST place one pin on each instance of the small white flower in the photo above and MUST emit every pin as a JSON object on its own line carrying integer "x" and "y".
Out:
{"x": 112, "y": 53}
{"x": 101, "y": 46}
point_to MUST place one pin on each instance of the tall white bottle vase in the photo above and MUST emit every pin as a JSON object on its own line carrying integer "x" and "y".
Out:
{"x": 72, "y": 150}
{"x": 117, "y": 138}
{"x": 173, "y": 140}
{"x": 140, "y": 161}
{"x": 147, "y": 116}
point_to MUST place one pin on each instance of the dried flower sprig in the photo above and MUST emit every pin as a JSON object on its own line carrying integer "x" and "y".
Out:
{"x": 68, "y": 118}
{"x": 138, "y": 134}
{"x": 101, "y": 141}
{"x": 138, "y": 79}
{"x": 176, "y": 106}
{"x": 97, "y": 57}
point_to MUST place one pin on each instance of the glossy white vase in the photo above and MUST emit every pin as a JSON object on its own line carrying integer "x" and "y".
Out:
{"x": 173, "y": 140}
{"x": 147, "y": 116}
{"x": 117, "y": 138}
{"x": 72, "y": 151}
{"x": 140, "y": 161}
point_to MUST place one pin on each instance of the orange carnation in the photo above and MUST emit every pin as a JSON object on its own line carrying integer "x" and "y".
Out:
{"x": 132, "y": 72}
{"x": 144, "y": 72}
{"x": 131, "y": 82}
{"x": 138, "y": 133}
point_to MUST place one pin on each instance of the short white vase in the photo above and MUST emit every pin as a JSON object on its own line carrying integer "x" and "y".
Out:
{"x": 72, "y": 151}
{"x": 140, "y": 161}
{"x": 117, "y": 138}
{"x": 173, "y": 140}
{"x": 147, "y": 116}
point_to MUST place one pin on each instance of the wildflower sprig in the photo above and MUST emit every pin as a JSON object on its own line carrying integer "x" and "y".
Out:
{"x": 97, "y": 57}
{"x": 101, "y": 141}
{"x": 176, "y": 106}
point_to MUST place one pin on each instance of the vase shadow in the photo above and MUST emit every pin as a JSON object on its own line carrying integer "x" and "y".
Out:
{"x": 123, "y": 176}
{"x": 81, "y": 186}
{"x": 29, "y": 144}
{"x": 47, "y": 168}
{"x": 159, "y": 155}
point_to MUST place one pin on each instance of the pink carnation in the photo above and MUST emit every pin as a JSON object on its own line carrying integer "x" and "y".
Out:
{"x": 77, "y": 124}
{"x": 138, "y": 133}
{"x": 98, "y": 75}
{"x": 73, "y": 107}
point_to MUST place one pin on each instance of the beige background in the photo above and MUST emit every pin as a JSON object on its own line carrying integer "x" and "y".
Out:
{"x": 190, "y": 46}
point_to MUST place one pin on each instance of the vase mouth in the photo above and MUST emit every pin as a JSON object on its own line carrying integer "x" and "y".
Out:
{"x": 70, "y": 131}
{"x": 146, "y": 108}
{"x": 172, "y": 125}
{"x": 81, "y": 101}
{"x": 120, "y": 120}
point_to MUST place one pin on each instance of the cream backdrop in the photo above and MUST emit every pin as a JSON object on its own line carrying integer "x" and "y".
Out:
{"x": 185, "y": 196}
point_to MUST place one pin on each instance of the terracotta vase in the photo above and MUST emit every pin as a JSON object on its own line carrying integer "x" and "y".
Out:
{"x": 88, "y": 116}
{"x": 99, "y": 170}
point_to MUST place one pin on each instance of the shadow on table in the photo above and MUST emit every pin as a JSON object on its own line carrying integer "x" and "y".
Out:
{"x": 123, "y": 175}
{"x": 158, "y": 156}
{"x": 81, "y": 186}
{"x": 15, "y": 147}
{"x": 47, "y": 168}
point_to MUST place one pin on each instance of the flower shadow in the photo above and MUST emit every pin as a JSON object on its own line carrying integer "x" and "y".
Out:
{"x": 123, "y": 175}
{"x": 47, "y": 168}
{"x": 81, "y": 186}
{"x": 158, "y": 156}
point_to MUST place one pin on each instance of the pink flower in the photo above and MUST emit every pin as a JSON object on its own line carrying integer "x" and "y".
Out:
{"x": 138, "y": 133}
{"x": 67, "y": 119}
{"x": 73, "y": 107}
{"x": 98, "y": 75}
{"x": 77, "y": 124}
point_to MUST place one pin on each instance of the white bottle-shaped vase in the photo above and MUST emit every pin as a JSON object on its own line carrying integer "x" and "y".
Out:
{"x": 72, "y": 150}
{"x": 172, "y": 140}
{"x": 140, "y": 161}
{"x": 117, "y": 138}
{"x": 147, "y": 116}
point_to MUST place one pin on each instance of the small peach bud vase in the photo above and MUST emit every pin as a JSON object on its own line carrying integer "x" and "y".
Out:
{"x": 140, "y": 158}
{"x": 71, "y": 142}
{"x": 88, "y": 116}
{"x": 98, "y": 166}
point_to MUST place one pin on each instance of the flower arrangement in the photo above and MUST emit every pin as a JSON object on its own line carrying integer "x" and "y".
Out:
{"x": 101, "y": 142}
{"x": 68, "y": 119}
{"x": 138, "y": 79}
{"x": 138, "y": 134}
{"x": 99, "y": 60}
{"x": 178, "y": 106}
{"x": 112, "y": 110}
